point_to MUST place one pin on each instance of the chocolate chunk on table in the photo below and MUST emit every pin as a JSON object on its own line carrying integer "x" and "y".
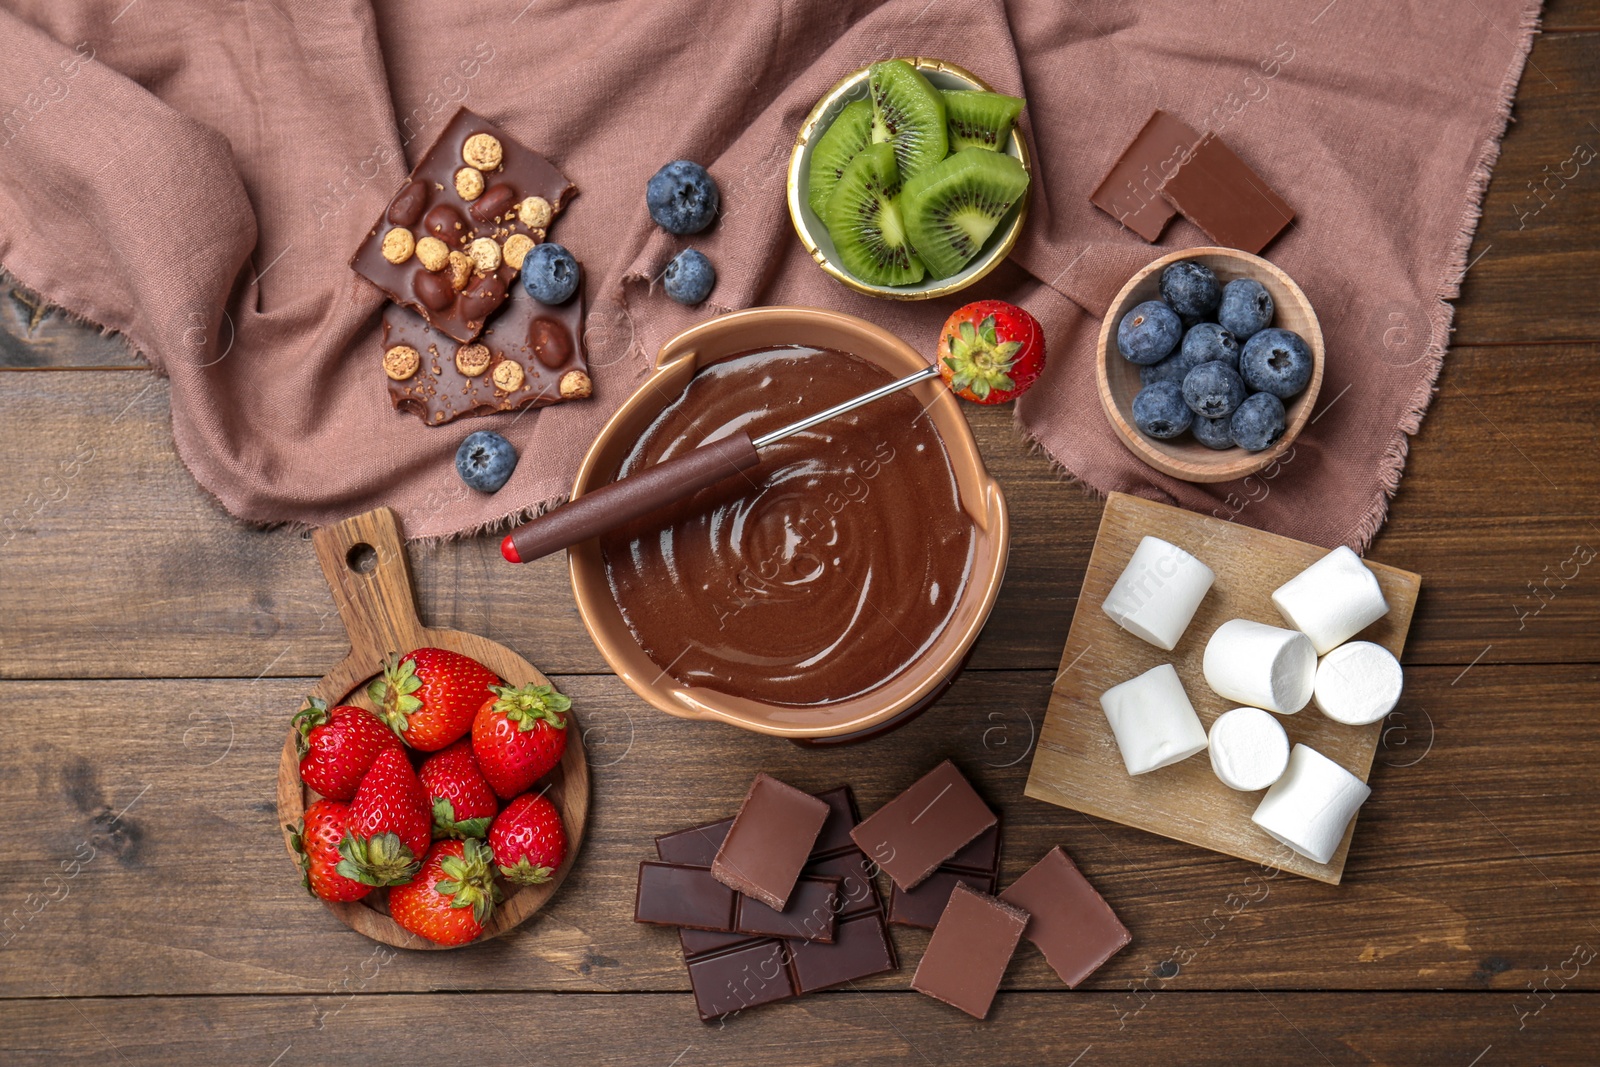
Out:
{"x": 774, "y": 832}
{"x": 1071, "y": 923}
{"x": 969, "y": 951}
{"x": 674, "y": 894}
{"x": 1131, "y": 190}
{"x": 730, "y": 972}
{"x": 1218, "y": 192}
{"x": 924, "y": 826}
{"x": 451, "y": 200}
{"x": 545, "y": 344}
{"x": 978, "y": 865}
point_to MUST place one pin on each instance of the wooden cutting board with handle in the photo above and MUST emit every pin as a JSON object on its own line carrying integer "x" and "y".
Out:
{"x": 364, "y": 560}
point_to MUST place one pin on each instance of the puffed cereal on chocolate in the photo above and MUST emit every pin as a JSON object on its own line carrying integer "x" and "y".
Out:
{"x": 535, "y": 213}
{"x": 473, "y": 359}
{"x": 398, "y": 244}
{"x": 433, "y": 253}
{"x": 517, "y": 246}
{"x": 469, "y": 183}
{"x": 482, "y": 150}
{"x": 460, "y": 270}
{"x": 575, "y": 385}
{"x": 485, "y": 254}
{"x": 401, "y": 362}
{"x": 507, "y": 375}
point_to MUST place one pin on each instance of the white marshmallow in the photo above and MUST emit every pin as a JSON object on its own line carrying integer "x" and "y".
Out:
{"x": 1332, "y": 600}
{"x": 1158, "y": 592}
{"x": 1309, "y": 807}
{"x": 1249, "y": 749}
{"x": 1358, "y": 683}
{"x": 1153, "y": 720}
{"x": 1260, "y": 665}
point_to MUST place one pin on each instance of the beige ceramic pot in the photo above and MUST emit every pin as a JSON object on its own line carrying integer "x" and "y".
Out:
{"x": 914, "y": 687}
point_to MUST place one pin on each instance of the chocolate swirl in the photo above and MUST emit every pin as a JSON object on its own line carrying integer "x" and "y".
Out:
{"x": 823, "y": 572}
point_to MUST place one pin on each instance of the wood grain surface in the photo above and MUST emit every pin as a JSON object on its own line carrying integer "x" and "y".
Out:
{"x": 152, "y": 649}
{"x": 1077, "y": 763}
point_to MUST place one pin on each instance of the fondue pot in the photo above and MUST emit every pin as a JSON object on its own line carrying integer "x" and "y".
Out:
{"x": 913, "y": 687}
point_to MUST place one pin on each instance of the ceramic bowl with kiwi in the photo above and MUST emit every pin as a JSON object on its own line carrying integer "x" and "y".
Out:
{"x": 909, "y": 179}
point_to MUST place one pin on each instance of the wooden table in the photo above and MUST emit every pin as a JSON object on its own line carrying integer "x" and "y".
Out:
{"x": 151, "y": 650}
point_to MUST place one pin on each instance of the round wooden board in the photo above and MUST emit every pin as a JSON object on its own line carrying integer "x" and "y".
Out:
{"x": 369, "y": 575}
{"x": 1118, "y": 380}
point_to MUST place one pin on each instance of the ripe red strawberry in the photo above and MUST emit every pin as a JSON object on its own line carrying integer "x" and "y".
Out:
{"x": 528, "y": 840}
{"x": 463, "y": 802}
{"x": 316, "y": 841}
{"x": 388, "y": 822}
{"x": 990, "y": 351}
{"x": 451, "y": 897}
{"x": 428, "y": 696}
{"x": 338, "y": 745}
{"x": 518, "y": 735}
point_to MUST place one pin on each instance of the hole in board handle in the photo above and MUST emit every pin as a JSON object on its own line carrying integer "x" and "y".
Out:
{"x": 362, "y": 558}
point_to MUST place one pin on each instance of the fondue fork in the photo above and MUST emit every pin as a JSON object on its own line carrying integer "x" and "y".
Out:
{"x": 656, "y": 486}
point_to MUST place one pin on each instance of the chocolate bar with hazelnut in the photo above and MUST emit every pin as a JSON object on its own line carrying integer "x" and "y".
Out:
{"x": 450, "y": 244}
{"x": 530, "y": 355}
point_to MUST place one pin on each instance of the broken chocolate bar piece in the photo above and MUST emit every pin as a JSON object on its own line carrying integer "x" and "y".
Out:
{"x": 978, "y": 865}
{"x": 730, "y": 972}
{"x": 924, "y": 826}
{"x": 772, "y": 835}
{"x": 443, "y": 246}
{"x": 675, "y": 894}
{"x": 1218, "y": 192}
{"x": 970, "y": 948}
{"x": 1131, "y": 190}
{"x": 544, "y": 343}
{"x": 1070, "y": 923}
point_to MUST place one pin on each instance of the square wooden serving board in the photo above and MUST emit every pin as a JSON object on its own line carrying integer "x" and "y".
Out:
{"x": 1077, "y": 764}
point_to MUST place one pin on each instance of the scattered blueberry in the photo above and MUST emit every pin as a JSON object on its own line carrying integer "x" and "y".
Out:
{"x": 1191, "y": 289}
{"x": 1213, "y": 433}
{"x": 690, "y": 277}
{"x": 1246, "y": 308}
{"x": 485, "y": 460}
{"x": 1149, "y": 333}
{"x": 1174, "y": 368}
{"x": 682, "y": 197}
{"x": 1258, "y": 423}
{"x": 1213, "y": 389}
{"x": 550, "y": 274}
{"x": 1277, "y": 362}
{"x": 1159, "y": 410}
{"x": 1207, "y": 341}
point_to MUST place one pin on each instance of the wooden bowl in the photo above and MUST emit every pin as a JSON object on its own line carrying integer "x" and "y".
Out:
{"x": 1184, "y": 457}
{"x": 364, "y": 561}
{"x": 814, "y": 235}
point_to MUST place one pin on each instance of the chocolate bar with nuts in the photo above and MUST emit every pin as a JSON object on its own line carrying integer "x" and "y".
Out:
{"x": 529, "y": 356}
{"x": 451, "y": 242}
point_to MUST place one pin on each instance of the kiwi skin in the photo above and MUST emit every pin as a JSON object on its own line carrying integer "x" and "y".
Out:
{"x": 908, "y": 112}
{"x": 863, "y": 218}
{"x": 978, "y": 119}
{"x": 951, "y": 209}
{"x": 849, "y": 133}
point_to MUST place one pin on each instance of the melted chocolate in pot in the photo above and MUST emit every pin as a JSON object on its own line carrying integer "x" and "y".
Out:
{"x": 825, "y": 570}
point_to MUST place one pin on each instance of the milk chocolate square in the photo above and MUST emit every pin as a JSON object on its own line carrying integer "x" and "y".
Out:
{"x": 1218, "y": 192}
{"x": 1131, "y": 190}
{"x": 1070, "y": 923}
{"x": 769, "y": 841}
{"x": 924, "y": 826}
{"x": 967, "y": 956}
{"x": 431, "y": 204}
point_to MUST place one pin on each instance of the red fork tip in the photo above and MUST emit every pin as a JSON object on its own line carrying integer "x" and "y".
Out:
{"x": 508, "y": 549}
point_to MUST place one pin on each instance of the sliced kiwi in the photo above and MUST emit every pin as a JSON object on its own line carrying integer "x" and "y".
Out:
{"x": 850, "y": 132}
{"x": 951, "y": 209}
{"x": 980, "y": 120}
{"x": 864, "y": 221}
{"x": 907, "y": 112}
